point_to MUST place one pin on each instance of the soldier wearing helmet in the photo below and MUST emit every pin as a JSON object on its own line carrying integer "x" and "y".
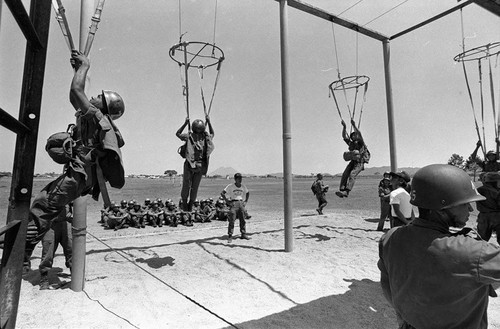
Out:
{"x": 357, "y": 156}
{"x": 198, "y": 147}
{"x": 490, "y": 162}
{"x": 384, "y": 191}
{"x": 435, "y": 278}
{"x": 98, "y": 144}
{"x": 137, "y": 215}
{"x": 488, "y": 219}
{"x": 156, "y": 214}
{"x": 319, "y": 189}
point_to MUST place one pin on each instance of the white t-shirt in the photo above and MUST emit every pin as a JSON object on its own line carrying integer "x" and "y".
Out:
{"x": 234, "y": 192}
{"x": 402, "y": 198}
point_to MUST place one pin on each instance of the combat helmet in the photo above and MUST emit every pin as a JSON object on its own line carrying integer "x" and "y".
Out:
{"x": 113, "y": 104}
{"x": 198, "y": 126}
{"x": 441, "y": 186}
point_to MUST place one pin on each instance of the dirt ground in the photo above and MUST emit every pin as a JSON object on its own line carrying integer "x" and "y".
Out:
{"x": 191, "y": 277}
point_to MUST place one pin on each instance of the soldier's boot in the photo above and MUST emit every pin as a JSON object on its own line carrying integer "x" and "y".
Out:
{"x": 44, "y": 281}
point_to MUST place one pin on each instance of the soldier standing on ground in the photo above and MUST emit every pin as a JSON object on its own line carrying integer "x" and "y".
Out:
{"x": 236, "y": 195}
{"x": 434, "y": 278}
{"x": 319, "y": 190}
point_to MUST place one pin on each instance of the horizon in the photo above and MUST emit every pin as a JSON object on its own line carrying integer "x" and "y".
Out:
{"x": 130, "y": 55}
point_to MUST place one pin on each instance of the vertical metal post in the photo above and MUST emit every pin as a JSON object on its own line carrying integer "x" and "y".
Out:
{"x": 24, "y": 164}
{"x": 390, "y": 105}
{"x": 287, "y": 135}
{"x": 79, "y": 230}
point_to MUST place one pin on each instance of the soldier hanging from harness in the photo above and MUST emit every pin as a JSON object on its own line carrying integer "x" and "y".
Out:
{"x": 357, "y": 156}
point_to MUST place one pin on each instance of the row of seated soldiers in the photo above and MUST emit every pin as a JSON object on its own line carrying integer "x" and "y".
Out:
{"x": 158, "y": 213}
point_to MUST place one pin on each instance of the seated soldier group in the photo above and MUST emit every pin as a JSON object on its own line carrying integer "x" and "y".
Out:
{"x": 157, "y": 213}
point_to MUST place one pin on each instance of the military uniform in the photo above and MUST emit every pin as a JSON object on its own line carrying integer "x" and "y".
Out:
{"x": 488, "y": 219}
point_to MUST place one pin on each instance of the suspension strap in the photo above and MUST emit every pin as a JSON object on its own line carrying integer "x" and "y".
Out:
{"x": 200, "y": 74}
{"x": 215, "y": 85}
{"x": 336, "y": 104}
{"x": 93, "y": 27}
{"x": 480, "y": 71}
{"x": 63, "y": 23}
{"x": 362, "y": 104}
{"x": 473, "y": 108}
{"x": 492, "y": 92}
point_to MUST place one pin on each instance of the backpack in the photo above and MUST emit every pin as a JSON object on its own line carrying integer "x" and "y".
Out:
{"x": 314, "y": 188}
{"x": 59, "y": 146}
{"x": 365, "y": 157}
{"x": 182, "y": 150}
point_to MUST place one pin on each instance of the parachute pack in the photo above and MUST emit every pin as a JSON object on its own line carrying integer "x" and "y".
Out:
{"x": 59, "y": 146}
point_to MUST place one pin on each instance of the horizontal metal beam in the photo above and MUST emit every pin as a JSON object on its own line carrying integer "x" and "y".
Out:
{"x": 490, "y": 5}
{"x": 12, "y": 123}
{"x": 307, "y": 8}
{"x": 23, "y": 20}
{"x": 432, "y": 19}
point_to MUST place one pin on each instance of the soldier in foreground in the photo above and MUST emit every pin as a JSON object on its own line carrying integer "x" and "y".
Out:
{"x": 434, "y": 278}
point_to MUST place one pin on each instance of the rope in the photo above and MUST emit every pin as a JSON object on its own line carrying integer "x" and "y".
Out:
{"x": 215, "y": 21}
{"x": 165, "y": 283}
{"x": 335, "y": 48}
{"x": 386, "y": 12}
{"x": 180, "y": 21}
{"x": 350, "y": 7}
{"x": 483, "y": 148}
{"x": 480, "y": 72}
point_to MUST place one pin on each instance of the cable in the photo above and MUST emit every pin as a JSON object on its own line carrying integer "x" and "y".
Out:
{"x": 215, "y": 21}
{"x": 165, "y": 283}
{"x": 104, "y": 307}
{"x": 386, "y": 12}
{"x": 350, "y": 7}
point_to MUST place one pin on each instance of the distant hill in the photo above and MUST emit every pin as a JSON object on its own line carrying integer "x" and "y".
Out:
{"x": 223, "y": 171}
{"x": 372, "y": 171}
{"x": 375, "y": 171}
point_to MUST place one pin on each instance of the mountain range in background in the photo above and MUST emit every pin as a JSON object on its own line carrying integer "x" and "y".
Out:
{"x": 373, "y": 171}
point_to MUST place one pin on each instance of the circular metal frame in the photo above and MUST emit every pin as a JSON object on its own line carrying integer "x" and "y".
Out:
{"x": 478, "y": 53}
{"x": 196, "y": 54}
{"x": 350, "y": 82}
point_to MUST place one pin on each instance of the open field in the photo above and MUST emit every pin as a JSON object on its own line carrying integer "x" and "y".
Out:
{"x": 266, "y": 194}
{"x": 191, "y": 277}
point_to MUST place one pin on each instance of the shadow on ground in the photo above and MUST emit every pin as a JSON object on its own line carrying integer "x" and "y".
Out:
{"x": 363, "y": 306}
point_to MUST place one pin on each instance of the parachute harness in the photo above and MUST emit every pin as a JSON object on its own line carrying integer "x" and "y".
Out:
{"x": 479, "y": 54}
{"x": 63, "y": 24}
{"x": 199, "y": 55}
{"x": 345, "y": 84}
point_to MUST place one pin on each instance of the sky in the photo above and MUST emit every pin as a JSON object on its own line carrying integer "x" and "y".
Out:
{"x": 432, "y": 112}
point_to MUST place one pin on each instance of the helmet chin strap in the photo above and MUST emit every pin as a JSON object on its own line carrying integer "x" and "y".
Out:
{"x": 450, "y": 219}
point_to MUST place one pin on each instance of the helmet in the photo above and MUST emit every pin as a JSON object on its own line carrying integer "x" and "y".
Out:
{"x": 490, "y": 153}
{"x": 198, "y": 126}
{"x": 401, "y": 174}
{"x": 147, "y": 201}
{"x": 113, "y": 104}
{"x": 131, "y": 202}
{"x": 154, "y": 202}
{"x": 123, "y": 202}
{"x": 440, "y": 186}
{"x": 136, "y": 204}
{"x": 489, "y": 177}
